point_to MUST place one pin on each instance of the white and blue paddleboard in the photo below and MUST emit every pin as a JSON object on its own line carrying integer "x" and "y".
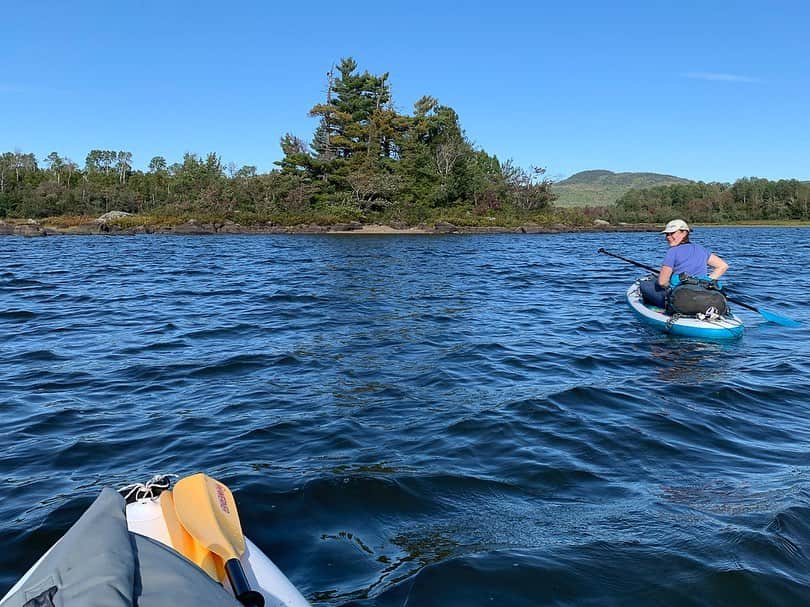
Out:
{"x": 720, "y": 328}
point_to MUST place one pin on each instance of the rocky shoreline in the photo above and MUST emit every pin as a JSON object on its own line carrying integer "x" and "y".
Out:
{"x": 107, "y": 226}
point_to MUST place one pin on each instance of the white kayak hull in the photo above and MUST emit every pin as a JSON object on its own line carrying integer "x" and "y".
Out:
{"x": 724, "y": 328}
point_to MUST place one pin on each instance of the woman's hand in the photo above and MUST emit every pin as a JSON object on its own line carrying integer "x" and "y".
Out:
{"x": 664, "y": 274}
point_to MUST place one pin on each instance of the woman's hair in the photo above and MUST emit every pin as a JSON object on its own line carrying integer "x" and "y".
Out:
{"x": 685, "y": 239}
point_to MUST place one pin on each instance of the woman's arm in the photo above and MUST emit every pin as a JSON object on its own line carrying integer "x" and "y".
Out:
{"x": 717, "y": 265}
{"x": 664, "y": 275}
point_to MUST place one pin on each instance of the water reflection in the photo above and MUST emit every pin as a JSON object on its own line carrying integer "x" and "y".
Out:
{"x": 687, "y": 361}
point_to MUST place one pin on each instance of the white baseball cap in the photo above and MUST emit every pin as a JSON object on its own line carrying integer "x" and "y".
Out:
{"x": 675, "y": 226}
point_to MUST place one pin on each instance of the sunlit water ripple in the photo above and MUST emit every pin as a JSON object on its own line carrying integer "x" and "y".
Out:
{"x": 421, "y": 420}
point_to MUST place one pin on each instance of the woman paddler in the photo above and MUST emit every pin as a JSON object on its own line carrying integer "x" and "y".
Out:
{"x": 682, "y": 256}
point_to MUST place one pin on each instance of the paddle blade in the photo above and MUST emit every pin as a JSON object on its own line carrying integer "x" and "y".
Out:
{"x": 780, "y": 320}
{"x": 187, "y": 545}
{"x": 207, "y": 510}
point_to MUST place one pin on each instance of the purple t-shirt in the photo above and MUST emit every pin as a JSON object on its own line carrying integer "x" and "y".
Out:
{"x": 690, "y": 258}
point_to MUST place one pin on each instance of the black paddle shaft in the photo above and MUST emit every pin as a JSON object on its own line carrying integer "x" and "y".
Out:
{"x": 240, "y": 585}
{"x": 635, "y": 263}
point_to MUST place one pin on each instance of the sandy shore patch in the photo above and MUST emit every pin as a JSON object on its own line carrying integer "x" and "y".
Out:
{"x": 376, "y": 228}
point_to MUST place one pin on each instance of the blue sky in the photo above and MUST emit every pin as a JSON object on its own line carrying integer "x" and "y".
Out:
{"x": 703, "y": 90}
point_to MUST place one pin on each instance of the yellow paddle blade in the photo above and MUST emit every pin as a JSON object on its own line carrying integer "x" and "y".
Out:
{"x": 187, "y": 545}
{"x": 207, "y": 510}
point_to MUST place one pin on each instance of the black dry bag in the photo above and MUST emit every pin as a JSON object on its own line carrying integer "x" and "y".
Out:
{"x": 691, "y": 300}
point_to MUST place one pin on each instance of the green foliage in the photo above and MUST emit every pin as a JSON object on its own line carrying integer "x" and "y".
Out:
{"x": 369, "y": 162}
{"x": 528, "y": 190}
{"x": 366, "y": 154}
{"x": 366, "y": 159}
{"x": 602, "y": 188}
{"x": 746, "y": 199}
{"x": 629, "y": 180}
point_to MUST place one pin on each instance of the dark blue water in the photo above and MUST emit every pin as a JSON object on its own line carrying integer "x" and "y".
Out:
{"x": 420, "y": 420}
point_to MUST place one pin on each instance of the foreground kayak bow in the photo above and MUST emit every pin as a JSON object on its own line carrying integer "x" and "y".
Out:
{"x": 127, "y": 552}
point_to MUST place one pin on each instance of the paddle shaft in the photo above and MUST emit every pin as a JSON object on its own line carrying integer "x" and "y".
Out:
{"x": 635, "y": 263}
{"x": 241, "y": 586}
{"x": 654, "y": 271}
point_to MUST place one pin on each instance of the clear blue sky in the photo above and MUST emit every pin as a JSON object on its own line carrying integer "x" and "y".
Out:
{"x": 703, "y": 90}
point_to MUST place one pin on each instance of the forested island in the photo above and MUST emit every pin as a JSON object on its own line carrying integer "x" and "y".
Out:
{"x": 366, "y": 163}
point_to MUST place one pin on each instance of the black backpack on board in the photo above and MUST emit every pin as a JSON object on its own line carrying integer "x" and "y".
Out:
{"x": 692, "y": 297}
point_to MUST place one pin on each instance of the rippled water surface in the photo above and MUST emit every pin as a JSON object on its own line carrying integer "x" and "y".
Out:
{"x": 420, "y": 420}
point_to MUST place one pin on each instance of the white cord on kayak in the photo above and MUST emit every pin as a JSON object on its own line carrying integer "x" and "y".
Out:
{"x": 710, "y": 314}
{"x": 151, "y": 488}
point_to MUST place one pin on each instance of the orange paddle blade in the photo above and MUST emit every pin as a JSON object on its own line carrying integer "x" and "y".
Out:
{"x": 207, "y": 510}
{"x": 187, "y": 545}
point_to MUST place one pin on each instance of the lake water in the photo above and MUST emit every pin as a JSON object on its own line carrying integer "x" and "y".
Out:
{"x": 420, "y": 420}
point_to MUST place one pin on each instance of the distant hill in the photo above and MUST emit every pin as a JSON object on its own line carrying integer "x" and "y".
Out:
{"x": 600, "y": 187}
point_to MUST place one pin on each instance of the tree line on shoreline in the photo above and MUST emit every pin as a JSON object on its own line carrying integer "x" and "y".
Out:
{"x": 368, "y": 162}
{"x": 745, "y": 200}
